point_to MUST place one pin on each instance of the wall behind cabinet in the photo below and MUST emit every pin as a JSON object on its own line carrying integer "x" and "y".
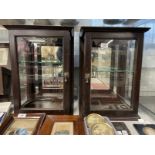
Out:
{"x": 148, "y": 63}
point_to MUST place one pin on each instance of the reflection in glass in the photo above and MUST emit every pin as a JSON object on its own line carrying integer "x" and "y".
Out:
{"x": 52, "y": 69}
{"x": 40, "y": 63}
{"x": 111, "y": 74}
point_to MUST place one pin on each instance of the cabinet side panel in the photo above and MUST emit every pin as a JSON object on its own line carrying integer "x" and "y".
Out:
{"x": 15, "y": 72}
{"x": 81, "y": 103}
{"x": 138, "y": 65}
{"x": 71, "y": 75}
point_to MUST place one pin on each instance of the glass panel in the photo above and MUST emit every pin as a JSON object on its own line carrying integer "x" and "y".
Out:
{"x": 40, "y": 63}
{"x": 147, "y": 90}
{"x": 111, "y": 74}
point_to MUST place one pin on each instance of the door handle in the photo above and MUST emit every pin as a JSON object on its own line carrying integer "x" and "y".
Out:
{"x": 66, "y": 76}
{"x": 87, "y": 77}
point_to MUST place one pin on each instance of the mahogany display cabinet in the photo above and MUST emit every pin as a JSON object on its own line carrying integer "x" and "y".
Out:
{"x": 110, "y": 70}
{"x": 42, "y": 68}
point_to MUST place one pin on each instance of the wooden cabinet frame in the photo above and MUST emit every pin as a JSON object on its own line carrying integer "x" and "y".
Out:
{"x": 87, "y": 35}
{"x": 42, "y": 31}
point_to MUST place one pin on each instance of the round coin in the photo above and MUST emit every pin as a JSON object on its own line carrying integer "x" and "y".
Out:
{"x": 149, "y": 131}
{"x": 94, "y": 118}
{"x": 102, "y": 129}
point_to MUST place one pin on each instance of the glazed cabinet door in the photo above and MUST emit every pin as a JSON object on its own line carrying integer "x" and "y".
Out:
{"x": 42, "y": 61}
{"x": 111, "y": 73}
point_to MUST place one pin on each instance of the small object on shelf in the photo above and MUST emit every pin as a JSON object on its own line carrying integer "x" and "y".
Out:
{"x": 145, "y": 129}
{"x": 21, "y": 115}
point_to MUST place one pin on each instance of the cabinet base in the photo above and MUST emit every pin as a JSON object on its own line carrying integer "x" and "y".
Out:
{"x": 129, "y": 118}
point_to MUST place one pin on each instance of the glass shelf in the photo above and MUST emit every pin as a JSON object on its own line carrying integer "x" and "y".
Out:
{"x": 54, "y": 62}
{"x": 43, "y": 75}
{"x": 106, "y": 69}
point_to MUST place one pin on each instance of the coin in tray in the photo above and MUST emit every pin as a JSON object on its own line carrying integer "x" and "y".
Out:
{"x": 94, "y": 118}
{"x": 102, "y": 129}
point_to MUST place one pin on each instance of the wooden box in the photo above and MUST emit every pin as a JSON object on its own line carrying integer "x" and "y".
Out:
{"x": 63, "y": 125}
{"x": 16, "y": 124}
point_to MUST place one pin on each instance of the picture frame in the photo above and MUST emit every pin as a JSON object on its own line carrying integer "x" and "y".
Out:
{"x": 4, "y": 54}
{"x": 30, "y": 124}
{"x": 5, "y": 72}
{"x": 51, "y": 53}
{"x": 63, "y": 128}
{"x": 5, "y": 82}
{"x": 51, "y": 57}
{"x": 54, "y": 124}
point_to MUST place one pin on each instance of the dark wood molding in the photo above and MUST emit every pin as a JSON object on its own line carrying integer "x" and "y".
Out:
{"x": 37, "y": 27}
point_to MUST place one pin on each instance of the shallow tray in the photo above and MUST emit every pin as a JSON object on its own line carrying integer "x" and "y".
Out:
{"x": 88, "y": 130}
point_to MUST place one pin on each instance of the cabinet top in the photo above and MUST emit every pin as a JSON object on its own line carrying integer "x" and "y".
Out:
{"x": 114, "y": 29}
{"x": 35, "y": 27}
